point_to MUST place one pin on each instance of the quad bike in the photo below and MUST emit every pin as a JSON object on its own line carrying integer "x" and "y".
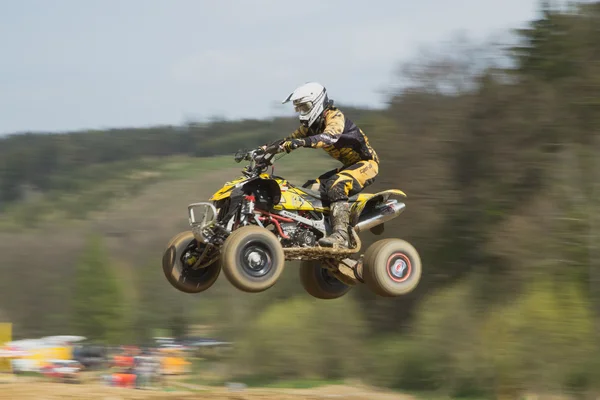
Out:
{"x": 255, "y": 223}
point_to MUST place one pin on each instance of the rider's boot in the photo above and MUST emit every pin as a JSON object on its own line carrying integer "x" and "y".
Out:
{"x": 340, "y": 217}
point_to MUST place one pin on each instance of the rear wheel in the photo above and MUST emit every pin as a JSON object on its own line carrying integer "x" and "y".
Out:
{"x": 320, "y": 283}
{"x": 392, "y": 267}
{"x": 252, "y": 258}
{"x": 177, "y": 261}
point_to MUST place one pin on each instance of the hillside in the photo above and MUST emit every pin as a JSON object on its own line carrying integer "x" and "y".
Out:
{"x": 98, "y": 187}
{"x": 44, "y": 162}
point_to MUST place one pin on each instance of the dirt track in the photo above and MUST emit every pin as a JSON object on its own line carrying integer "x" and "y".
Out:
{"x": 27, "y": 390}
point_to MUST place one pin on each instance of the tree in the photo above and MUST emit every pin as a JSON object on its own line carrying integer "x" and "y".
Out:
{"x": 97, "y": 308}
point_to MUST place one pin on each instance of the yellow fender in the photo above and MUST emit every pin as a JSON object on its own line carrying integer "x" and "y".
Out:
{"x": 359, "y": 205}
{"x": 225, "y": 191}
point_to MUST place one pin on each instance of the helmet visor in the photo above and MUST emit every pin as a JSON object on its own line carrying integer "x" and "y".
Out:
{"x": 303, "y": 108}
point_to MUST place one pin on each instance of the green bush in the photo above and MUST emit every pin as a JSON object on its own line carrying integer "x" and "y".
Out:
{"x": 301, "y": 338}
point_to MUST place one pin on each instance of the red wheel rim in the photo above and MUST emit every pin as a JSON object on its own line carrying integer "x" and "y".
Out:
{"x": 399, "y": 267}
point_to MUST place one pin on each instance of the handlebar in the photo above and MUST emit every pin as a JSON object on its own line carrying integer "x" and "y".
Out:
{"x": 260, "y": 159}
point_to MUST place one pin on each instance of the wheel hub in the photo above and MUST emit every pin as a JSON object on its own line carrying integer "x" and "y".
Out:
{"x": 398, "y": 268}
{"x": 256, "y": 261}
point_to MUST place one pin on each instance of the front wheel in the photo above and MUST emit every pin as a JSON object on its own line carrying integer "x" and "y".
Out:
{"x": 176, "y": 266}
{"x": 392, "y": 267}
{"x": 252, "y": 259}
{"x": 320, "y": 283}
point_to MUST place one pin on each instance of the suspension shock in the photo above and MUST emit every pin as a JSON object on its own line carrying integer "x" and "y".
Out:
{"x": 248, "y": 205}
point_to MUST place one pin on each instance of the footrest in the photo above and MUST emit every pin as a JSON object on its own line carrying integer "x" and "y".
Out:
{"x": 318, "y": 252}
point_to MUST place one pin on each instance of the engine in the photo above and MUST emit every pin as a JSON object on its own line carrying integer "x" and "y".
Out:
{"x": 298, "y": 236}
{"x": 304, "y": 238}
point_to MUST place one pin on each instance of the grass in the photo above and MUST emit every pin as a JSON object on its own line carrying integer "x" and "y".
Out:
{"x": 301, "y": 383}
{"x": 203, "y": 373}
{"x": 433, "y": 395}
{"x": 264, "y": 383}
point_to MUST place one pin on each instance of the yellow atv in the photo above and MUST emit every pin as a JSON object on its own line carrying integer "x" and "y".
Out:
{"x": 255, "y": 223}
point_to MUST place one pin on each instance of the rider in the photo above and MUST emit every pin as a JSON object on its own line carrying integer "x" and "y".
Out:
{"x": 324, "y": 126}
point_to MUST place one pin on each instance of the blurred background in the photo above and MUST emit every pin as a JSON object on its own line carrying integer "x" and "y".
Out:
{"x": 114, "y": 116}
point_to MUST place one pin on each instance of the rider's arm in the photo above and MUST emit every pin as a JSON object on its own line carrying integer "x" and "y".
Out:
{"x": 298, "y": 133}
{"x": 334, "y": 126}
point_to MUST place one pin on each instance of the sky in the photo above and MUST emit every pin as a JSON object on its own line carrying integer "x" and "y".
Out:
{"x": 70, "y": 64}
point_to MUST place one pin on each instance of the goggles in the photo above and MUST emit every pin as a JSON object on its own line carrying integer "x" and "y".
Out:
{"x": 303, "y": 108}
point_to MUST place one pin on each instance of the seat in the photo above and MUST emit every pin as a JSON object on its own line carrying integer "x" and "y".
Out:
{"x": 317, "y": 195}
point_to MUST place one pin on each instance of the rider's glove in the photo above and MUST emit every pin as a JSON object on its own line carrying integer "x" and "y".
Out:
{"x": 293, "y": 144}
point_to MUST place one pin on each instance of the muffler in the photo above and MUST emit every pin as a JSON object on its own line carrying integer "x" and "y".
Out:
{"x": 379, "y": 215}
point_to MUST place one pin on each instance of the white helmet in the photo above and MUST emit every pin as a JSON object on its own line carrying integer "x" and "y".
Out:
{"x": 309, "y": 100}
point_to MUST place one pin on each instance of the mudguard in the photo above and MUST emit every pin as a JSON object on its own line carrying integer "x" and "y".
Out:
{"x": 227, "y": 188}
{"x": 359, "y": 205}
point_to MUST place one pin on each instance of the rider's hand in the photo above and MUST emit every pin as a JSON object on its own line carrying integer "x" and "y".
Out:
{"x": 293, "y": 144}
{"x": 271, "y": 149}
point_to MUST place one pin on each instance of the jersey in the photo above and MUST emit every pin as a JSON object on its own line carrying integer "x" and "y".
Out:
{"x": 339, "y": 137}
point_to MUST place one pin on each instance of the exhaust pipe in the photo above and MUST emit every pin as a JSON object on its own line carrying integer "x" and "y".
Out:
{"x": 378, "y": 216}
